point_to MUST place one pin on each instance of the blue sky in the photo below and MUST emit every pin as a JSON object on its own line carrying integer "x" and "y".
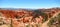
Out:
{"x": 29, "y": 3}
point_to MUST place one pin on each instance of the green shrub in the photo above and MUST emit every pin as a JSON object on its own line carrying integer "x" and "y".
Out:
{"x": 54, "y": 20}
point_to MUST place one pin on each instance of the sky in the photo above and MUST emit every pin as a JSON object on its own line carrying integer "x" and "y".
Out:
{"x": 29, "y": 3}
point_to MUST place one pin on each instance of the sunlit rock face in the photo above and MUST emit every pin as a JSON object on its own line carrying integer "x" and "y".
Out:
{"x": 24, "y": 18}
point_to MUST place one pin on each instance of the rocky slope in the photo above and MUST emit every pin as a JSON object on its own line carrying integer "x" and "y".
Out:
{"x": 26, "y": 18}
